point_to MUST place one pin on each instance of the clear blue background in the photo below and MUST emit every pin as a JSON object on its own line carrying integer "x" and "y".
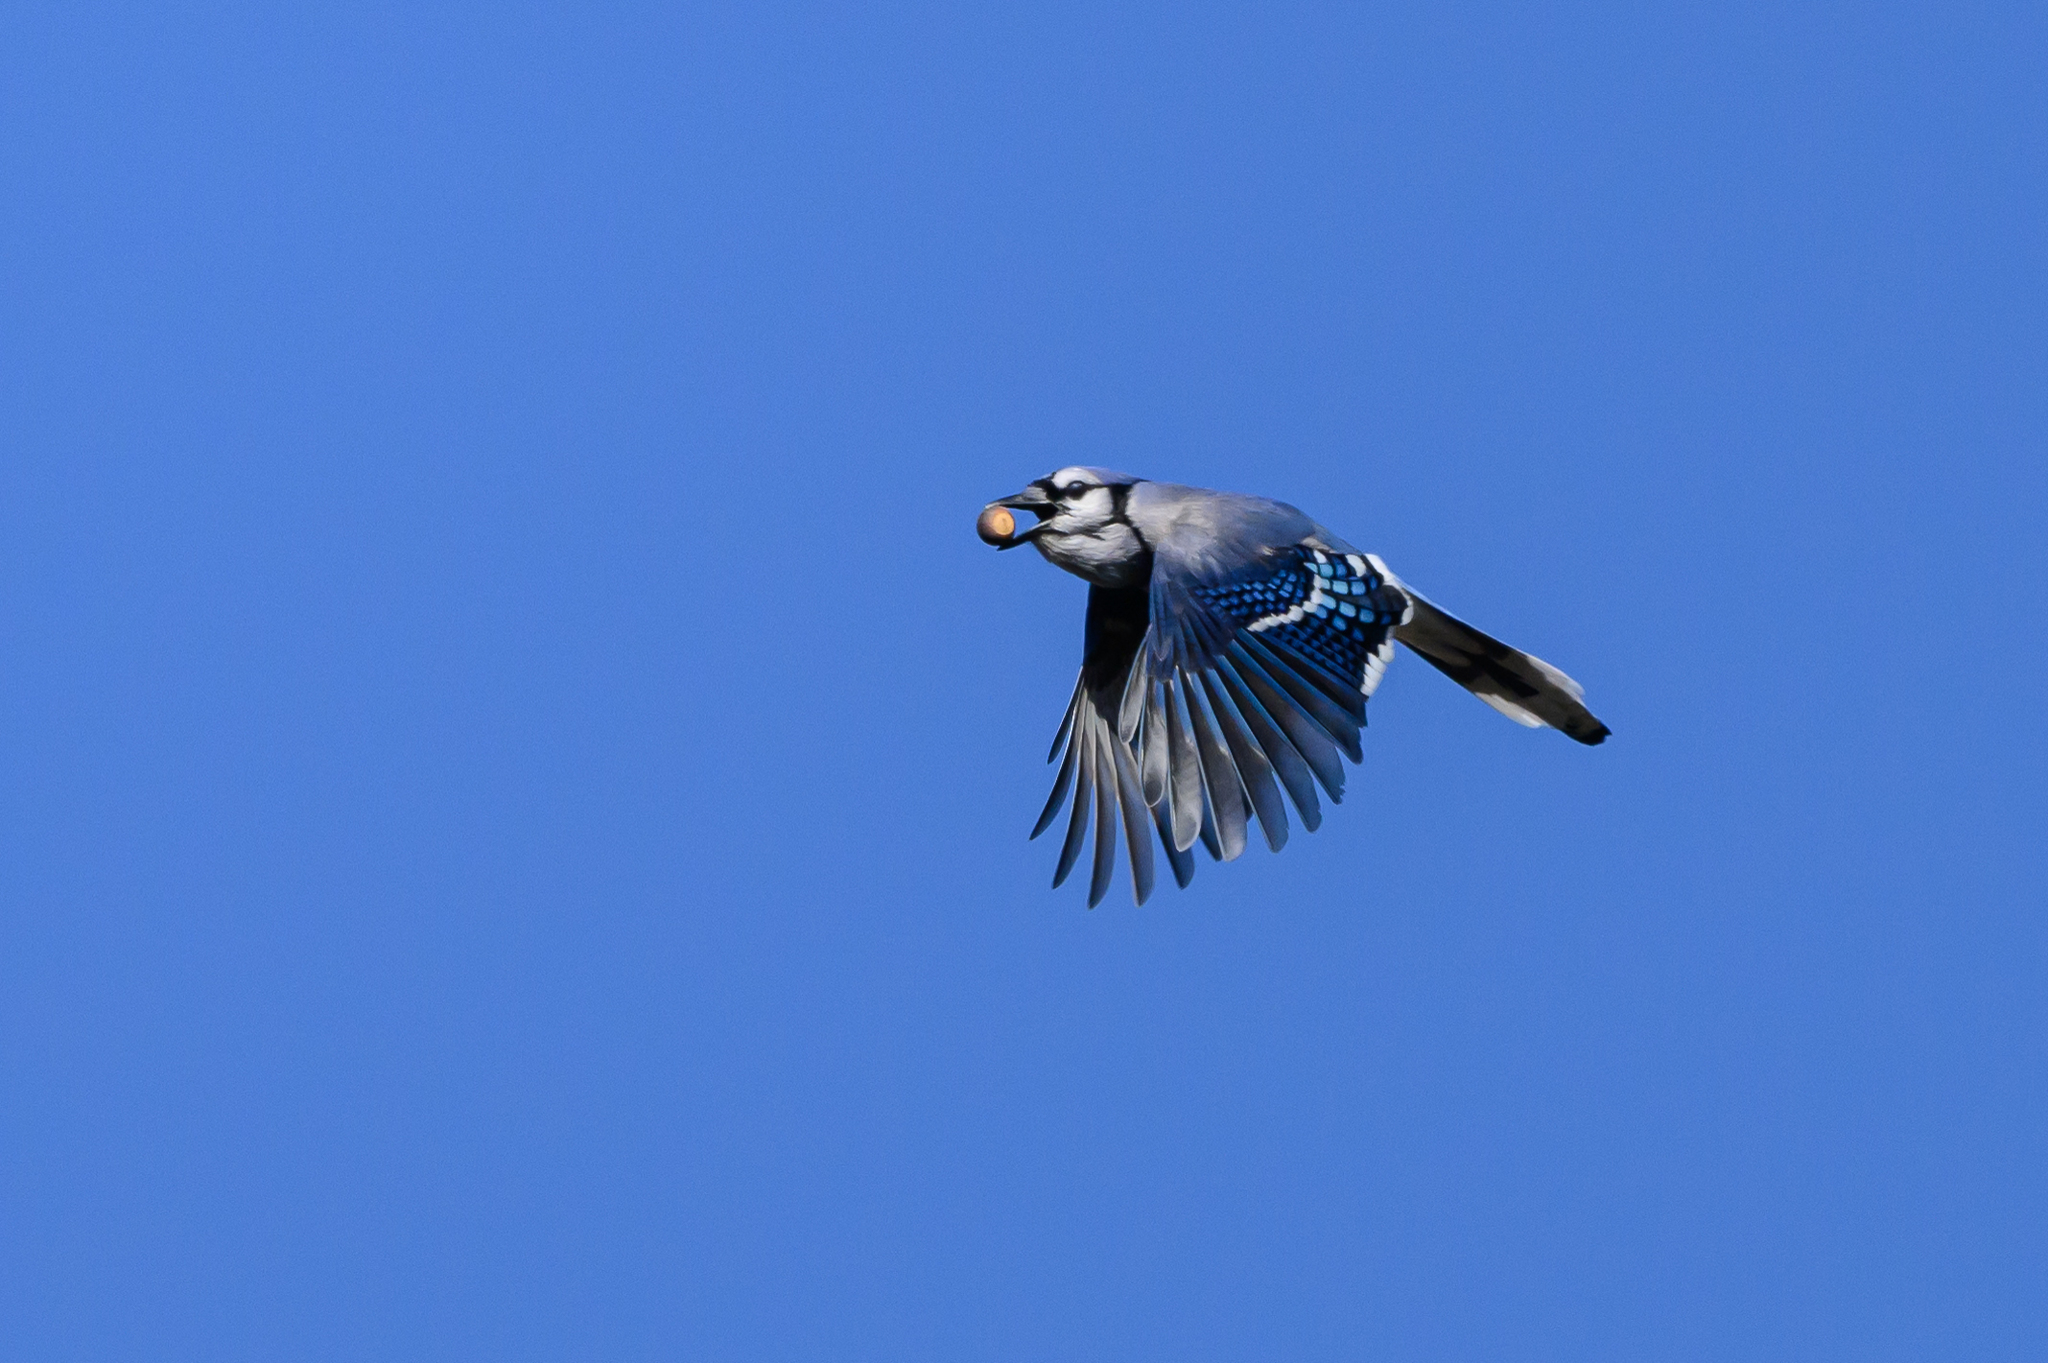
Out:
{"x": 517, "y": 767}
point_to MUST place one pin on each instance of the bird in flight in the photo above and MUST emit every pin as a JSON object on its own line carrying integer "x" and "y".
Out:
{"x": 1230, "y": 648}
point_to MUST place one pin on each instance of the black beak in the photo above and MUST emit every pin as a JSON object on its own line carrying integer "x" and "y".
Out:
{"x": 1034, "y": 499}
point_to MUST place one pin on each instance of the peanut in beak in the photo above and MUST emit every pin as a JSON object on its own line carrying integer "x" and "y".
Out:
{"x": 995, "y": 525}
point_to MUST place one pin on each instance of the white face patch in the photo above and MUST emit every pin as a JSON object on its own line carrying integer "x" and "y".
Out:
{"x": 1082, "y": 502}
{"x": 1093, "y": 506}
{"x": 1083, "y": 535}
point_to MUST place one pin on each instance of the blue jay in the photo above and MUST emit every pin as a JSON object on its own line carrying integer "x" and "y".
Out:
{"x": 1230, "y": 648}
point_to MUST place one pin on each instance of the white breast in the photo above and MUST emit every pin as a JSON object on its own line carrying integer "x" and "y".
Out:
{"x": 1111, "y": 556}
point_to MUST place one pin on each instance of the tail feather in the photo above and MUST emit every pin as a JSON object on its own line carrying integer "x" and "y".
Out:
{"x": 1525, "y": 689}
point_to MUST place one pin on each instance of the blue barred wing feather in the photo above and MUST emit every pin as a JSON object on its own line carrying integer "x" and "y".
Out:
{"x": 1336, "y": 611}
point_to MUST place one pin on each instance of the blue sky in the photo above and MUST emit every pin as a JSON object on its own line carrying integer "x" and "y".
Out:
{"x": 518, "y": 766}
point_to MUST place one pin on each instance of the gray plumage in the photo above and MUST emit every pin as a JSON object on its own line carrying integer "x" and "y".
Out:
{"x": 1231, "y": 646}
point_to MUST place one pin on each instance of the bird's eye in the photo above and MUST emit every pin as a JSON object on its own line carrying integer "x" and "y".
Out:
{"x": 1076, "y": 489}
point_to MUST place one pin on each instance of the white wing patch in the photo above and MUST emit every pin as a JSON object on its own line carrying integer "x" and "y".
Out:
{"x": 1376, "y": 666}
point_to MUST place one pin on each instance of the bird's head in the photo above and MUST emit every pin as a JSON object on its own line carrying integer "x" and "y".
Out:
{"x": 1081, "y": 526}
{"x": 1073, "y": 501}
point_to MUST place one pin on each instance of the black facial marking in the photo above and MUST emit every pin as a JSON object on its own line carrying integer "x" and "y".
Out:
{"x": 1119, "y": 496}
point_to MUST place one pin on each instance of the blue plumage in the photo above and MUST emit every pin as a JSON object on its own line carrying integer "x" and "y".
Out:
{"x": 1336, "y": 610}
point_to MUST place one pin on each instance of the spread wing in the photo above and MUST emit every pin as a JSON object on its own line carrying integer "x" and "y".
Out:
{"x": 1213, "y": 698}
{"x": 1097, "y": 767}
{"x": 1254, "y": 683}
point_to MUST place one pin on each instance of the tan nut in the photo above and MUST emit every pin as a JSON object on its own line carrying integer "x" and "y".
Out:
{"x": 996, "y": 525}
